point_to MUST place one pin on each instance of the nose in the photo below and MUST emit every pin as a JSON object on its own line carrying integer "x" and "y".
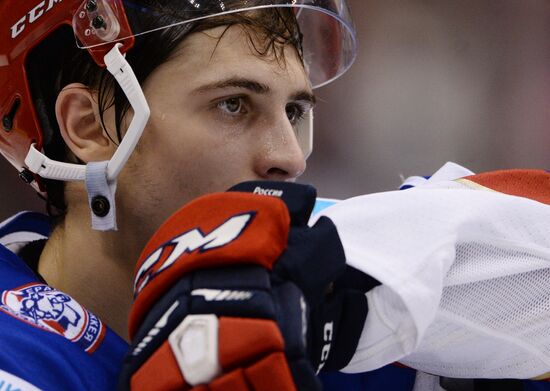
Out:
{"x": 279, "y": 156}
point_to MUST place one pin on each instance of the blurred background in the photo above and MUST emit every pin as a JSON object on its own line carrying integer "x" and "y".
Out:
{"x": 435, "y": 80}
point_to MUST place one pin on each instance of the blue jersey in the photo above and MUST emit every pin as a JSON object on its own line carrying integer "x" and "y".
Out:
{"x": 47, "y": 338}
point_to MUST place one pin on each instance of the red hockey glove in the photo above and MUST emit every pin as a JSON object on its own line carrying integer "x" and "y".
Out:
{"x": 248, "y": 261}
{"x": 207, "y": 313}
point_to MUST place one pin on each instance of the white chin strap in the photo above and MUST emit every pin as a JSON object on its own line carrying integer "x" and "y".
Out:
{"x": 101, "y": 177}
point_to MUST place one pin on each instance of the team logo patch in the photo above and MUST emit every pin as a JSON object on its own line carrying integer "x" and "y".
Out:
{"x": 44, "y": 307}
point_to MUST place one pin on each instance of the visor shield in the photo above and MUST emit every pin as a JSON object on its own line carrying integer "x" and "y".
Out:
{"x": 328, "y": 35}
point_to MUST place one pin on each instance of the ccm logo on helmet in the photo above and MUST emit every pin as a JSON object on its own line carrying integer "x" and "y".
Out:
{"x": 268, "y": 192}
{"x": 187, "y": 243}
{"x": 33, "y": 15}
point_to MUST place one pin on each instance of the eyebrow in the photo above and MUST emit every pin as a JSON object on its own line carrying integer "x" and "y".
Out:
{"x": 254, "y": 86}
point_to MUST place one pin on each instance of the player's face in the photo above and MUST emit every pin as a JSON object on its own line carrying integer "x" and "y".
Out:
{"x": 220, "y": 114}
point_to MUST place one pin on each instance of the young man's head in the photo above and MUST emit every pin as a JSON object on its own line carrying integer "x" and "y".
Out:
{"x": 223, "y": 110}
{"x": 229, "y": 93}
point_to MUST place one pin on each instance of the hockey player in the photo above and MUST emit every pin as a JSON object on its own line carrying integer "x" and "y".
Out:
{"x": 160, "y": 103}
{"x": 233, "y": 290}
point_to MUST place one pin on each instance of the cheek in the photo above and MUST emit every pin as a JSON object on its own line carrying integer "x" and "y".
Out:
{"x": 188, "y": 159}
{"x": 176, "y": 164}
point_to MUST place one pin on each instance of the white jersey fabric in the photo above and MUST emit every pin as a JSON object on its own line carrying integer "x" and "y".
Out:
{"x": 465, "y": 275}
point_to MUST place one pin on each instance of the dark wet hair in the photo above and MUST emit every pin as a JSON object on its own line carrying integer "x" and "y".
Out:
{"x": 268, "y": 30}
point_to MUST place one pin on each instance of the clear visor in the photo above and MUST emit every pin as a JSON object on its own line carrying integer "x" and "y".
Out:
{"x": 328, "y": 35}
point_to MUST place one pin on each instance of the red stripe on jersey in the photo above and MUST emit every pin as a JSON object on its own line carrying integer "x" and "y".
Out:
{"x": 532, "y": 184}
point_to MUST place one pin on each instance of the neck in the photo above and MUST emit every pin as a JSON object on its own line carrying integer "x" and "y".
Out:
{"x": 95, "y": 268}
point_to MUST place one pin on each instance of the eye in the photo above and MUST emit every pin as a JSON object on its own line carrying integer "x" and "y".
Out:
{"x": 232, "y": 106}
{"x": 295, "y": 112}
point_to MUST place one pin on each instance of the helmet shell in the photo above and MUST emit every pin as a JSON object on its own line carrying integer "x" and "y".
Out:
{"x": 27, "y": 25}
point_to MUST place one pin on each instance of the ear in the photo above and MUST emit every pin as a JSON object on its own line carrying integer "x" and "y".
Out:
{"x": 78, "y": 117}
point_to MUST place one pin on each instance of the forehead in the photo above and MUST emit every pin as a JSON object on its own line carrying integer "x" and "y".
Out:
{"x": 210, "y": 55}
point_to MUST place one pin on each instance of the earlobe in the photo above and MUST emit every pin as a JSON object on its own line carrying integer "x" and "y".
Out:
{"x": 78, "y": 117}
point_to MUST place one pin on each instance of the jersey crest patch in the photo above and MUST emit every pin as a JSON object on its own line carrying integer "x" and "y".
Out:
{"x": 49, "y": 309}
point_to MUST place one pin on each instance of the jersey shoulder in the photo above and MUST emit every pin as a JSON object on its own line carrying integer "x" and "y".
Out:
{"x": 48, "y": 339}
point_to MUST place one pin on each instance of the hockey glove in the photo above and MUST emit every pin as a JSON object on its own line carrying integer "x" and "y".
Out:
{"x": 208, "y": 313}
